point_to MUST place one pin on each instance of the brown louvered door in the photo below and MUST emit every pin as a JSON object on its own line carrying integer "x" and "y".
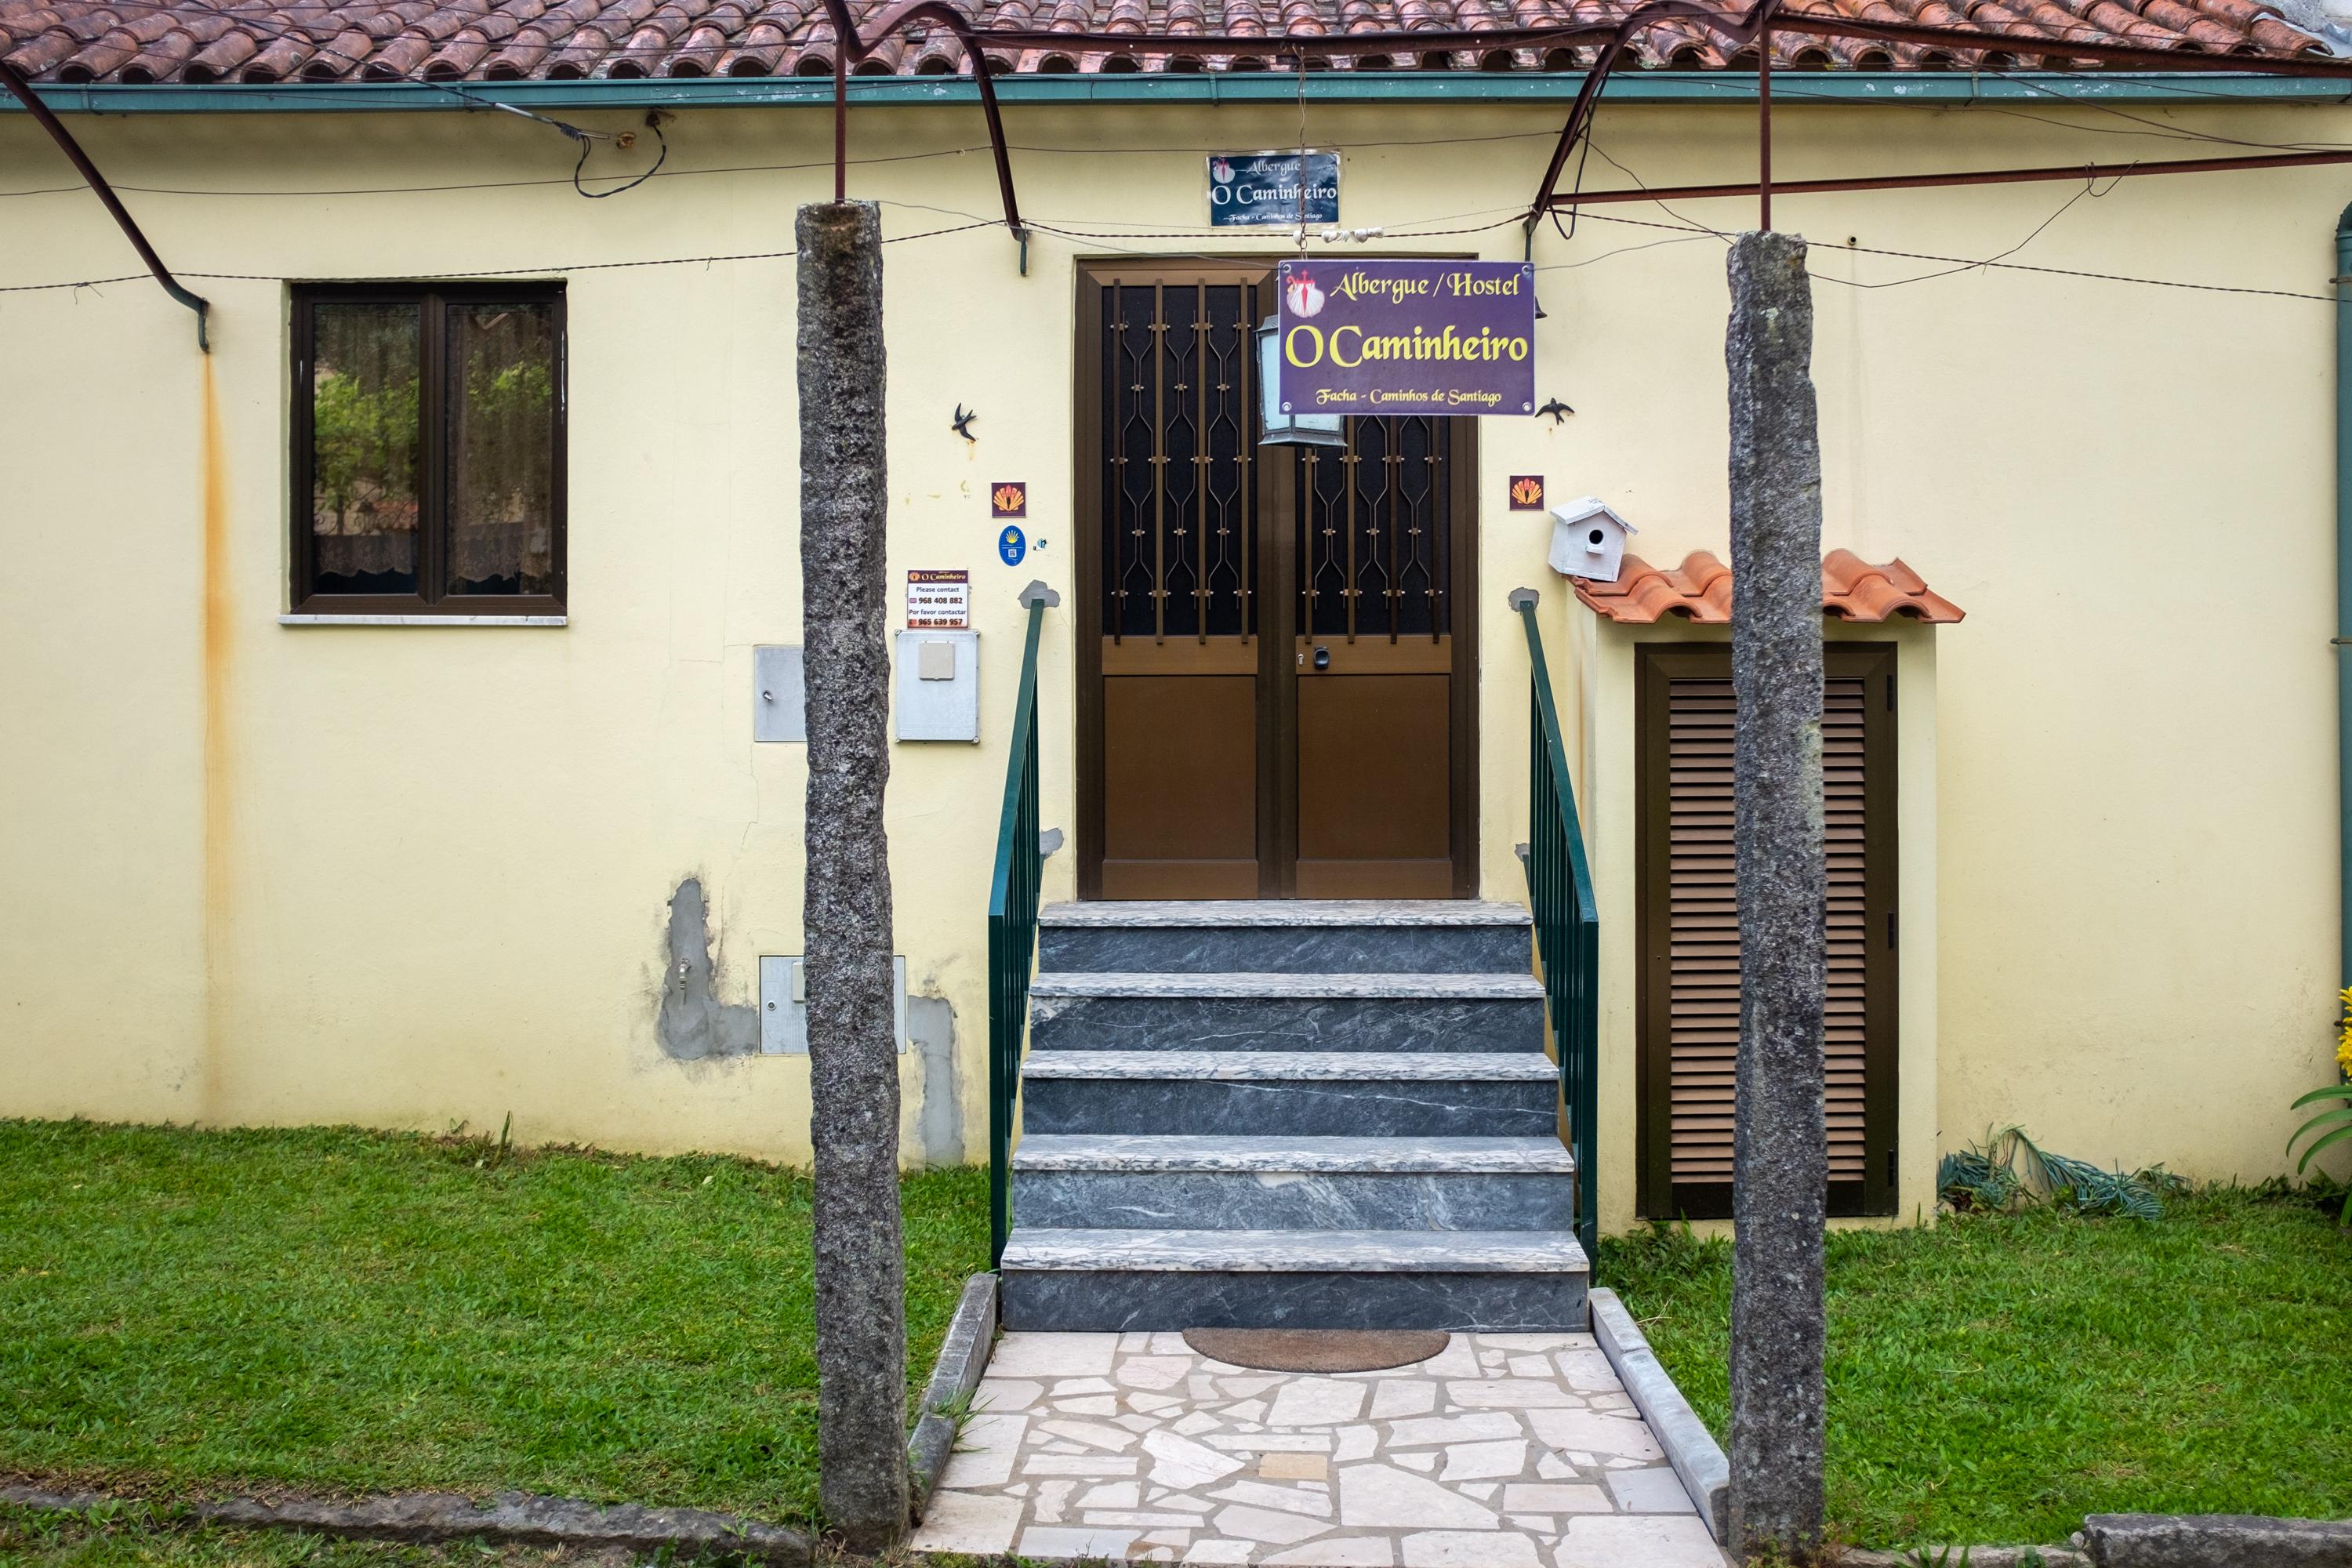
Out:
{"x": 1279, "y": 695}
{"x": 1689, "y": 923}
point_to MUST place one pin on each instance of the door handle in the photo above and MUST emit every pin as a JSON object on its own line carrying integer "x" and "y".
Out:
{"x": 1322, "y": 658}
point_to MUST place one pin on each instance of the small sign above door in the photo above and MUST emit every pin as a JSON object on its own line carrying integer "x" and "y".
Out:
{"x": 1272, "y": 190}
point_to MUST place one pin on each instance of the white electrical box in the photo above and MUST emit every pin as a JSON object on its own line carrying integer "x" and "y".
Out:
{"x": 783, "y": 1005}
{"x": 939, "y": 686}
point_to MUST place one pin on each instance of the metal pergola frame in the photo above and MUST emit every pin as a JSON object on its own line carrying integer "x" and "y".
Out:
{"x": 1745, "y": 30}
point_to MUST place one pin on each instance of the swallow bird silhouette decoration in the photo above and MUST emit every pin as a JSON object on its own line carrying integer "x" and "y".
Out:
{"x": 962, "y": 422}
{"x": 1558, "y": 410}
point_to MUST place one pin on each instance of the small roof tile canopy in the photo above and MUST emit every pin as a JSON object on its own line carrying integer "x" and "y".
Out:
{"x": 257, "y": 41}
{"x": 1700, "y": 590}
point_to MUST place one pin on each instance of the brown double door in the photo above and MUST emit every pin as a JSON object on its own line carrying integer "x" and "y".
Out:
{"x": 1275, "y": 688}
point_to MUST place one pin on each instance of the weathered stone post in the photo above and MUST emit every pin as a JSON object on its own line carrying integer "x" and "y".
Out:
{"x": 861, "y": 1331}
{"x": 1780, "y": 1161}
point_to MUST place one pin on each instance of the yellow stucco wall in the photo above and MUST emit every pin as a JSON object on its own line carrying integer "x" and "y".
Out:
{"x": 258, "y": 873}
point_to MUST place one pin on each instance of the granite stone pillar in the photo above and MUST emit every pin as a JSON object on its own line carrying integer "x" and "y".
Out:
{"x": 861, "y": 1333}
{"x": 1779, "y": 1154}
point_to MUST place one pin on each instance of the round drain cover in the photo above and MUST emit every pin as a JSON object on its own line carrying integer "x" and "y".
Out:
{"x": 1316, "y": 1350}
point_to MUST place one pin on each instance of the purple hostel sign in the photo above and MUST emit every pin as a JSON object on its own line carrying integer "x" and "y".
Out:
{"x": 1407, "y": 337}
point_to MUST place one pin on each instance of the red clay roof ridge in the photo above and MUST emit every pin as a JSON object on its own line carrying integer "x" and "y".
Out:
{"x": 204, "y": 41}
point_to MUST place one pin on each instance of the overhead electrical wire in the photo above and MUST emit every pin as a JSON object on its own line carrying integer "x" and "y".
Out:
{"x": 1781, "y": 87}
{"x": 253, "y": 25}
{"x": 1296, "y": 51}
{"x": 1688, "y": 229}
{"x": 1963, "y": 263}
{"x": 1994, "y": 260}
{"x": 505, "y": 185}
{"x": 1694, "y": 230}
{"x": 2151, "y": 127}
{"x": 564, "y": 269}
{"x": 652, "y": 123}
{"x": 1957, "y": 264}
{"x": 1622, "y": 250}
{"x": 766, "y": 168}
{"x": 1642, "y": 185}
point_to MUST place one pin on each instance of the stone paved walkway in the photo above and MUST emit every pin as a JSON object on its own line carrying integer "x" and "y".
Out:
{"x": 1503, "y": 1451}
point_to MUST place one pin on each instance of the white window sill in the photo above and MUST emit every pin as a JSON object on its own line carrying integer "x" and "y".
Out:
{"x": 293, "y": 620}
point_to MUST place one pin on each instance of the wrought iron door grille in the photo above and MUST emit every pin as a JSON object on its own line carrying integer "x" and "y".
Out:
{"x": 1177, "y": 447}
{"x": 1374, "y": 531}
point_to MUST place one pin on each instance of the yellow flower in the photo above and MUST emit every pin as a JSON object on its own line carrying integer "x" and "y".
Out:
{"x": 2343, "y": 1036}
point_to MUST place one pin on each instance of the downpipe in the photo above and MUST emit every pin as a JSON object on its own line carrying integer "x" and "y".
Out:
{"x": 22, "y": 90}
{"x": 2343, "y": 639}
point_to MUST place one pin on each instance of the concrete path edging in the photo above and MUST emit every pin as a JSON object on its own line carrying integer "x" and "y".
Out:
{"x": 963, "y": 1356}
{"x": 2215, "y": 1540}
{"x": 1697, "y": 1458}
{"x": 1976, "y": 1557}
{"x": 515, "y": 1519}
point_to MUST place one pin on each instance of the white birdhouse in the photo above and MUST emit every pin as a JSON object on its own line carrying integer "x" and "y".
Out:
{"x": 1588, "y": 540}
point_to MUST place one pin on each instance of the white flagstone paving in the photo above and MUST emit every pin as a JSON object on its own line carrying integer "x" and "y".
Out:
{"x": 1503, "y": 1451}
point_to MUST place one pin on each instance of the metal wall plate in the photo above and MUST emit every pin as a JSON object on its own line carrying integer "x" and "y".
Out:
{"x": 779, "y": 710}
{"x": 931, "y": 708}
{"x": 783, "y": 1003}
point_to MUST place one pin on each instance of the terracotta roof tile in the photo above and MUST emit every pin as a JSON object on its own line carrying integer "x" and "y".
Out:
{"x": 1854, "y": 590}
{"x": 1700, "y": 590}
{"x": 504, "y": 41}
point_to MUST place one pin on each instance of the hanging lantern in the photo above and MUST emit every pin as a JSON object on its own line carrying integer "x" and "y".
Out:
{"x": 1281, "y": 428}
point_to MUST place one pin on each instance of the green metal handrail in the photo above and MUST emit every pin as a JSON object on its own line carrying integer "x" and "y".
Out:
{"x": 1012, "y": 928}
{"x": 1567, "y": 927}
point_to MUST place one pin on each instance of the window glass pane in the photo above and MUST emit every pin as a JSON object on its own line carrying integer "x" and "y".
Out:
{"x": 502, "y": 449}
{"x": 364, "y": 448}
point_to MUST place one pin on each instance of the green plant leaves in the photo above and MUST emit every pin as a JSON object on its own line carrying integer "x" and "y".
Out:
{"x": 1985, "y": 1176}
{"x": 2338, "y": 1120}
{"x": 2317, "y": 1144}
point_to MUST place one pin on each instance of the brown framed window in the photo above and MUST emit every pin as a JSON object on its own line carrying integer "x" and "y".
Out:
{"x": 428, "y": 449}
{"x": 1689, "y": 918}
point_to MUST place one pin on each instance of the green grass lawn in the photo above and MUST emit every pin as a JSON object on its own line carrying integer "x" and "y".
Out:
{"x": 1997, "y": 1378}
{"x": 126, "y": 1539}
{"x": 337, "y": 1311}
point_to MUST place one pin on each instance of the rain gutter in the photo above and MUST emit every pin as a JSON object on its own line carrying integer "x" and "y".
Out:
{"x": 2343, "y": 589}
{"x": 2049, "y": 89}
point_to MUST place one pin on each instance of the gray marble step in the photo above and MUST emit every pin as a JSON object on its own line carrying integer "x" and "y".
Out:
{"x": 1423, "y": 936}
{"x": 1307, "y": 1093}
{"x": 1121, "y": 1011}
{"x": 1110, "y": 914}
{"x": 1216, "y": 1183}
{"x": 1100, "y": 1281}
{"x": 1280, "y": 1156}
